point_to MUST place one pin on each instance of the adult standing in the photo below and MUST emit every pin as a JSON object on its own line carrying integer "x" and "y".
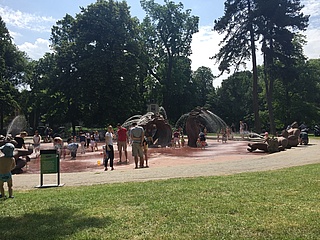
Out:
{"x": 109, "y": 148}
{"x": 137, "y": 136}
{"x": 122, "y": 141}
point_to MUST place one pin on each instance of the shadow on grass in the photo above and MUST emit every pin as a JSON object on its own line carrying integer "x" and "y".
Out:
{"x": 53, "y": 223}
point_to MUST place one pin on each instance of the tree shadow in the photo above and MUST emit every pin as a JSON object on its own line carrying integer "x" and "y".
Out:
{"x": 54, "y": 223}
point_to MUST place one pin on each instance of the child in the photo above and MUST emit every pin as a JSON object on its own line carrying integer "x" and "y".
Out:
{"x": 92, "y": 143}
{"x": 58, "y": 145}
{"x": 73, "y": 147}
{"x": 176, "y": 138}
{"x": 145, "y": 150}
{"x": 7, "y": 163}
{"x": 36, "y": 143}
{"x": 182, "y": 141}
{"x": 224, "y": 136}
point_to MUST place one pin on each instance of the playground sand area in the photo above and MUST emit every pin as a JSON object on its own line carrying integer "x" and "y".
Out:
{"x": 216, "y": 159}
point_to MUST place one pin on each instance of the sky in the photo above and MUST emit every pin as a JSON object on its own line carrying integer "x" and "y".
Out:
{"x": 29, "y": 23}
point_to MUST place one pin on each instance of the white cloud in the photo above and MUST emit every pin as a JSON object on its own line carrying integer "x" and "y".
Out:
{"x": 37, "y": 49}
{"x": 26, "y": 20}
{"x": 205, "y": 44}
{"x": 312, "y": 48}
{"x": 311, "y": 7}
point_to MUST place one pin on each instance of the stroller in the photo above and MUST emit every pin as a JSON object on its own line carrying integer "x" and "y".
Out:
{"x": 304, "y": 138}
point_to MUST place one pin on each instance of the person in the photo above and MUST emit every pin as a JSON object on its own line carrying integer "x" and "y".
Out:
{"x": 182, "y": 140}
{"x": 36, "y": 143}
{"x": 241, "y": 125}
{"x": 202, "y": 138}
{"x": 176, "y": 138}
{"x": 88, "y": 138}
{"x": 82, "y": 138}
{"x": 224, "y": 136}
{"x": 7, "y": 164}
{"x": 92, "y": 143}
{"x": 72, "y": 147}
{"x": 109, "y": 148}
{"x": 122, "y": 142}
{"x": 96, "y": 139}
{"x": 20, "y": 140}
{"x": 58, "y": 145}
{"x": 137, "y": 136}
{"x": 145, "y": 150}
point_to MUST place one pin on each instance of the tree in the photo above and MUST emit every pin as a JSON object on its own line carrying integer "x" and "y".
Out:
{"x": 232, "y": 100}
{"x": 167, "y": 33}
{"x": 277, "y": 23}
{"x": 13, "y": 67}
{"x": 203, "y": 80}
{"x": 99, "y": 73}
{"x": 239, "y": 45}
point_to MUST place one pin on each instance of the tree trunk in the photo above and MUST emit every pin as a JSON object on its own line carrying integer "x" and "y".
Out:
{"x": 269, "y": 85}
{"x": 166, "y": 85}
{"x": 255, "y": 99}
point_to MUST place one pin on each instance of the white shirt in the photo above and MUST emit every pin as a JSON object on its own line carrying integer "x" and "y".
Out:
{"x": 109, "y": 137}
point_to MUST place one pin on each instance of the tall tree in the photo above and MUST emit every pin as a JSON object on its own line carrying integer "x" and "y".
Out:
{"x": 13, "y": 67}
{"x": 238, "y": 44}
{"x": 203, "y": 80}
{"x": 168, "y": 33}
{"x": 277, "y": 22}
{"x": 98, "y": 60}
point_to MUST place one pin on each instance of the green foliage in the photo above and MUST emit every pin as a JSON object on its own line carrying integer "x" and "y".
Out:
{"x": 99, "y": 75}
{"x": 13, "y": 73}
{"x": 277, "y": 24}
{"x": 167, "y": 32}
{"x": 202, "y": 80}
{"x": 232, "y": 101}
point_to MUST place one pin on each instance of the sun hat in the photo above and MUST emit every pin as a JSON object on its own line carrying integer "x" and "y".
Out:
{"x": 7, "y": 149}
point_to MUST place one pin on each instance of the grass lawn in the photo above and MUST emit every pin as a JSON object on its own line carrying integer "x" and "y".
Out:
{"x": 282, "y": 204}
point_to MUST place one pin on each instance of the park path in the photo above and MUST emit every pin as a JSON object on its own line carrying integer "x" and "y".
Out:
{"x": 301, "y": 155}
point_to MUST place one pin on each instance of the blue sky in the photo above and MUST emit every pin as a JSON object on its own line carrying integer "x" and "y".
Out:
{"x": 30, "y": 22}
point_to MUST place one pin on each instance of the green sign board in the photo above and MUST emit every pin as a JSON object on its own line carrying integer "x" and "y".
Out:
{"x": 49, "y": 163}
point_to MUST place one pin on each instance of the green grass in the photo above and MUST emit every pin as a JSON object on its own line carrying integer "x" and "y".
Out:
{"x": 282, "y": 204}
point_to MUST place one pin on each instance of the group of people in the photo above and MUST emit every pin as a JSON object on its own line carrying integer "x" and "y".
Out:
{"x": 178, "y": 138}
{"x": 135, "y": 135}
{"x": 89, "y": 140}
{"x": 139, "y": 145}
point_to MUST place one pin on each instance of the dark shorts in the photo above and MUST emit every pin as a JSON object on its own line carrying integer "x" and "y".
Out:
{"x": 5, "y": 177}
